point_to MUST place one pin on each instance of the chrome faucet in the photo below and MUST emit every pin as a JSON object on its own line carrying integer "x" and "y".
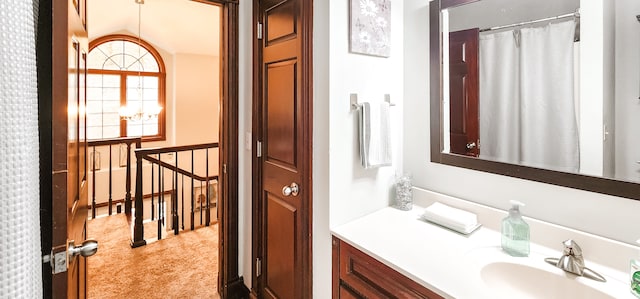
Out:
{"x": 572, "y": 261}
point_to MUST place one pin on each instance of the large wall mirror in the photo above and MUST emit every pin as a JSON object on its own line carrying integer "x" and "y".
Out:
{"x": 545, "y": 90}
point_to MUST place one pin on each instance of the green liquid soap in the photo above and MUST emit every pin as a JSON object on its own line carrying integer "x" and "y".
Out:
{"x": 635, "y": 278}
{"x": 635, "y": 284}
{"x": 515, "y": 232}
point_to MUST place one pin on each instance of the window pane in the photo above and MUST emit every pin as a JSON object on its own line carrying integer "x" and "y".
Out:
{"x": 103, "y": 102}
{"x": 112, "y": 50}
{"x": 133, "y": 49}
{"x": 94, "y": 133}
{"x": 149, "y": 63}
{"x": 110, "y": 106}
{"x": 132, "y": 63}
{"x": 150, "y": 95}
{"x": 150, "y": 82}
{"x": 99, "y": 81}
{"x": 150, "y": 129}
{"x": 111, "y": 119}
{"x": 94, "y": 120}
{"x": 105, "y": 91}
{"x": 96, "y": 59}
{"x": 111, "y": 131}
{"x": 114, "y": 63}
{"x": 150, "y": 105}
{"x": 94, "y": 93}
{"x": 134, "y": 129}
{"x": 111, "y": 81}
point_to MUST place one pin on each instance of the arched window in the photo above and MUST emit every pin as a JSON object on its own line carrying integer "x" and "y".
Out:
{"x": 126, "y": 76}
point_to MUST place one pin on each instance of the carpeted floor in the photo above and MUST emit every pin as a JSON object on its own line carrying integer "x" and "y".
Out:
{"x": 183, "y": 266}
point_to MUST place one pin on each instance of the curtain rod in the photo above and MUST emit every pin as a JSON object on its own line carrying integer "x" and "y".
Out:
{"x": 573, "y": 14}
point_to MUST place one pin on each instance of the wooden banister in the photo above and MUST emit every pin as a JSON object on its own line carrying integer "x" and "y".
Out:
{"x": 153, "y": 156}
{"x": 128, "y": 141}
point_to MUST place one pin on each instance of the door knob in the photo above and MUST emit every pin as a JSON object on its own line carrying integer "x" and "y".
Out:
{"x": 471, "y": 145}
{"x": 88, "y": 248}
{"x": 291, "y": 190}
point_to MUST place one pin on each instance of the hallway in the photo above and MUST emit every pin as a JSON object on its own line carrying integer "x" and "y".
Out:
{"x": 183, "y": 266}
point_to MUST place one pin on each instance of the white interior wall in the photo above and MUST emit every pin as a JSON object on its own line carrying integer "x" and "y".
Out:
{"x": 592, "y": 89}
{"x": 352, "y": 190}
{"x": 608, "y": 98}
{"x": 355, "y": 191}
{"x": 197, "y": 97}
{"x": 571, "y": 206}
{"x": 627, "y": 89}
{"x": 604, "y": 215}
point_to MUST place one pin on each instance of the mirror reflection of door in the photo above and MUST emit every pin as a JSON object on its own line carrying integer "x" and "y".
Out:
{"x": 463, "y": 81}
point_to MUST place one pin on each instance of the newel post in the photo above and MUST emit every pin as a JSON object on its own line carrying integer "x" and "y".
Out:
{"x": 138, "y": 228}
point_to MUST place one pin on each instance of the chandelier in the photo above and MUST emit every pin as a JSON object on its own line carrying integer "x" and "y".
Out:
{"x": 131, "y": 112}
{"x": 138, "y": 114}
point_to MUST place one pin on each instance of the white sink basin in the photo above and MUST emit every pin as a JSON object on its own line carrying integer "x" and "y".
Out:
{"x": 504, "y": 276}
{"x": 525, "y": 281}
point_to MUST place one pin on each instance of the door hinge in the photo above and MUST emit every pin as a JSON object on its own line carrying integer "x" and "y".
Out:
{"x": 224, "y": 168}
{"x": 259, "y": 149}
{"x": 258, "y": 267}
{"x": 259, "y": 32}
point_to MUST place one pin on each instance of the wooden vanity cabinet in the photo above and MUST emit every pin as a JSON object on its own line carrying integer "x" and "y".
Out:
{"x": 357, "y": 275}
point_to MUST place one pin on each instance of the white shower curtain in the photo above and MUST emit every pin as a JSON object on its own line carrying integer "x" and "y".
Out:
{"x": 20, "y": 259}
{"x": 527, "y": 95}
{"x": 499, "y": 92}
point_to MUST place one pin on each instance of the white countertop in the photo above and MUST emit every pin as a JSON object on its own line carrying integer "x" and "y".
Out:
{"x": 449, "y": 263}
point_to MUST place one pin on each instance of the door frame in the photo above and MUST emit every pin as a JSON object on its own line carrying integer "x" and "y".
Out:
{"x": 256, "y": 167}
{"x": 230, "y": 284}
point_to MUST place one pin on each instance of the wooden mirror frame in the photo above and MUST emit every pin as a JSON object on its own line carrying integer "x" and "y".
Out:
{"x": 572, "y": 180}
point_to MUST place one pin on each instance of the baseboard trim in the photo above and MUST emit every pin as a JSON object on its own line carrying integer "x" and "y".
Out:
{"x": 236, "y": 289}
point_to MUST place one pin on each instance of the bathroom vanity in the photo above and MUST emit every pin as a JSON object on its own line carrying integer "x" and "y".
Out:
{"x": 357, "y": 274}
{"x": 394, "y": 254}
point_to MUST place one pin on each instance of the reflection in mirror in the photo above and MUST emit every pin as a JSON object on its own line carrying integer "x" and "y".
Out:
{"x": 532, "y": 83}
{"x": 558, "y": 104}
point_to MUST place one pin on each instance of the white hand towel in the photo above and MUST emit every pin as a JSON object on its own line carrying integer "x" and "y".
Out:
{"x": 375, "y": 135}
{"x": 453, "y": 218}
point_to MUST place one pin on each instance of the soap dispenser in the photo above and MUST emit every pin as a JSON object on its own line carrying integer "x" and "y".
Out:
{"x": 515, "y": 232}
{"x": 635, "y": 276}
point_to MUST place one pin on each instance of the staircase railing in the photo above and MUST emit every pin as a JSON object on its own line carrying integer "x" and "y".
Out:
{"x": 95, "y": 164}
{"x": 177, "y": 173}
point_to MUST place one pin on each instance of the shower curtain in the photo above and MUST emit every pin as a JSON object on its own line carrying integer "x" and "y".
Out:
{"x": 527, "y": 97}
{"x": 20, "y": 259}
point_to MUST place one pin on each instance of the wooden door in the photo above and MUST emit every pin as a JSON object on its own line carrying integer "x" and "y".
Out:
{"x": 283, "y": 265}
{"x": 464, "y": 92}
{"x": 69, "y": 147}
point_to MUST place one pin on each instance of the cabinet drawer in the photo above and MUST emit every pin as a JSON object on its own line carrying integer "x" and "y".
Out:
{"x": 358, "y": 275}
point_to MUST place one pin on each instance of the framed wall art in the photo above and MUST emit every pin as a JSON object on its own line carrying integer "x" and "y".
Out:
{"x": 370, "y": 27}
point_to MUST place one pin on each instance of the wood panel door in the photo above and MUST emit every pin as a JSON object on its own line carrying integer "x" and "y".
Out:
{"x": 69, "y": 144}
{"x": 283, "y": 265}
{"x": 464, "y": 92}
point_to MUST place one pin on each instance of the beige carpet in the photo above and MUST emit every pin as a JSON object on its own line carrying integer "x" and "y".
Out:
{"x": 183, "y": 266}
